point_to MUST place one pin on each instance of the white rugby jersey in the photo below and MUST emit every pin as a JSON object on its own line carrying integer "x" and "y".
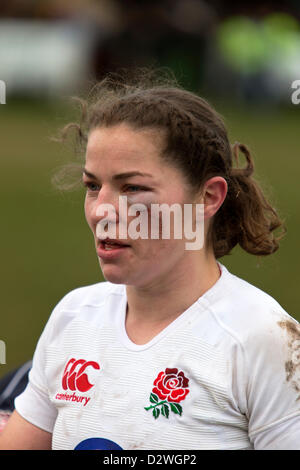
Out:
{"x": 223, "y": 375}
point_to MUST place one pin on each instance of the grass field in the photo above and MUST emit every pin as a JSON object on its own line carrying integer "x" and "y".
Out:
{"x": 47, "y": 248}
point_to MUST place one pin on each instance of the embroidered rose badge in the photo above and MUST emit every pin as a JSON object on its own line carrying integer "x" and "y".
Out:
{"x": 169, "y": 388}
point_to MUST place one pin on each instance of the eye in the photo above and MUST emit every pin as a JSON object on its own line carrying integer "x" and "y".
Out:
{"x": 134, "y": 188}
{"x": 91, "y": 186}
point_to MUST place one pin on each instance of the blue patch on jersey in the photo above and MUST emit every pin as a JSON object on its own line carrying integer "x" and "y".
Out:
{"x": 97, "y": 443}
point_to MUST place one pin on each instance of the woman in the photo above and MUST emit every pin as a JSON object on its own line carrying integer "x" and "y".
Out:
{"x": 172, "y": 351}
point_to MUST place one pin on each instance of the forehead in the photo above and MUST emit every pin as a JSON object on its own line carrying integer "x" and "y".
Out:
{"x": 121, "y": 144}
{"x": 121, "y": 149}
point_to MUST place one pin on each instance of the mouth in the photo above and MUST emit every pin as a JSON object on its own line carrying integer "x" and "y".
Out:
{"x": 108, "y": 248}
{"x": 111, "y": 244}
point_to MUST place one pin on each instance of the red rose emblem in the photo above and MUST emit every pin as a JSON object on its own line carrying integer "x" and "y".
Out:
{"x": 170, "y": 388}
{"x": 171, "y": 385}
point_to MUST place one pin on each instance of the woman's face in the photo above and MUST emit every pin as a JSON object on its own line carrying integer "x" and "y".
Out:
{"x": 121, "y": 161}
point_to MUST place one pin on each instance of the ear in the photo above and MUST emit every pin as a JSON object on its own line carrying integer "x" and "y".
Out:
{"x": 213, "y": 195}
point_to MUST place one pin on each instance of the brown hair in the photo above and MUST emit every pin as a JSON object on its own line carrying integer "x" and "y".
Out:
{"x": 196, "y": 141}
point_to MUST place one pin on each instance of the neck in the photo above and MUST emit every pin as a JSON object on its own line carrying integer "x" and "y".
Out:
{"x": 154, "y": 306}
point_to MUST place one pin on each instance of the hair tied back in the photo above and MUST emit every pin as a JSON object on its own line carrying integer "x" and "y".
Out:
{"x": 236, "y": 148}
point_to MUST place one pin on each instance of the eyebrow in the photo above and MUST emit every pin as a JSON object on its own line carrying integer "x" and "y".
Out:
{"x": 120, "y": 176}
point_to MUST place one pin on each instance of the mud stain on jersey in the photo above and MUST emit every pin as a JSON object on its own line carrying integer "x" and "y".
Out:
{"x": 292, "y": 365}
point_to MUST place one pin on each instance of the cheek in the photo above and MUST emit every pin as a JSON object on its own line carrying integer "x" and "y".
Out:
{"x": 162, "y": 231}
{"x": 160, "y": 252}
{"x": 88, "y": 211}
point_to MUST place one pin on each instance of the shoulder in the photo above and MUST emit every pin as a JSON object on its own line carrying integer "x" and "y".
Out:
{"x": 262, "y": 341}
{"x": 87, "y": 303}
{"x": 246, "y": 312}
{"x": 91, "y": 295}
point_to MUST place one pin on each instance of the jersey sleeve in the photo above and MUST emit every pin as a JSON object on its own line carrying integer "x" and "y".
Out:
{"x": 33, "y": 404}
{"x": 272, "y": 361}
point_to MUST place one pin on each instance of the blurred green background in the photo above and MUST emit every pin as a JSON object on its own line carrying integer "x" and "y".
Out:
{"x": 47, "y": 248}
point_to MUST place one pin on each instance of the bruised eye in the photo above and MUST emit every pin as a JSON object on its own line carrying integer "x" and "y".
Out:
{"x": 134, "y": 188}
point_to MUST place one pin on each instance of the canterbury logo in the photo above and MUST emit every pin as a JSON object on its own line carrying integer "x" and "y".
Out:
{"x": 75, "y": 376}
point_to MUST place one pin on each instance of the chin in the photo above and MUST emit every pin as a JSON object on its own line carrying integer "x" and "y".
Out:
{"x": 114, "y": 275}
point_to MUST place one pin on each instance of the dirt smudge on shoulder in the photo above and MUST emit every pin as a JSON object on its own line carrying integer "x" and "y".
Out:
{"x": 289, "y": 369}
{"x": 292, "y": 365}
{"x": 292, "y": 328}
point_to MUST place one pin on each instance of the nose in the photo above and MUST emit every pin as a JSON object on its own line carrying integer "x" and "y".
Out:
{"x": 105, "y": 206}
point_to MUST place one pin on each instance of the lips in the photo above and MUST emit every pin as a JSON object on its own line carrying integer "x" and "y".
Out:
{"x": 112, "y": 242}
{"x": 111, "y": 249}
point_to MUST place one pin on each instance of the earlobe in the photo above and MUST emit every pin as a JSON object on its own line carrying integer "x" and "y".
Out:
{"x": 213, "y": 196}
